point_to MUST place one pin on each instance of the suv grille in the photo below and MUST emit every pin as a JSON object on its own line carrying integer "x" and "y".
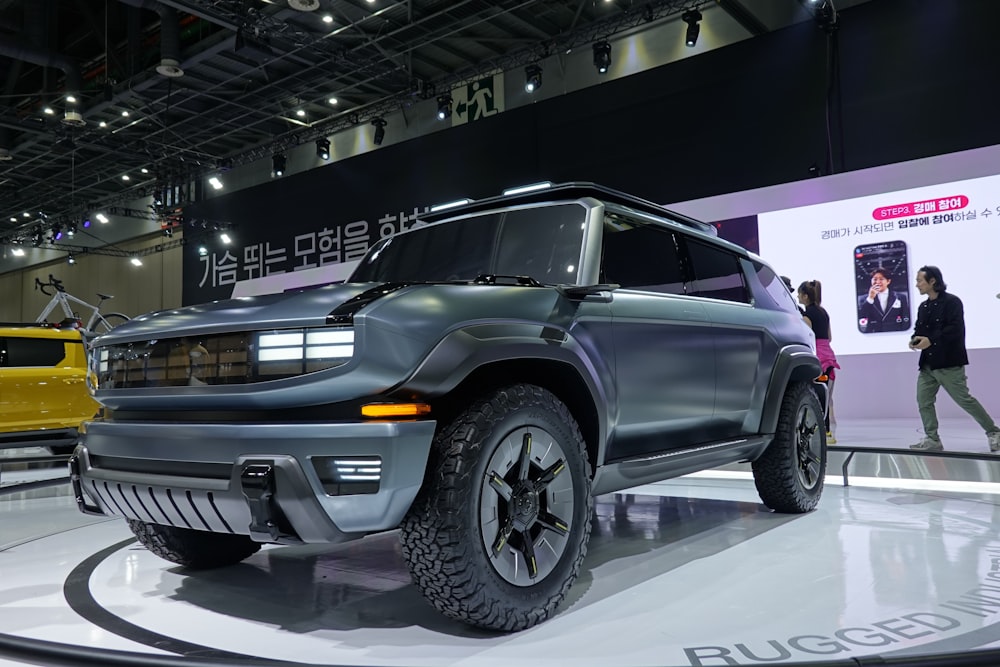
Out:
{"x": 219, "y": 359}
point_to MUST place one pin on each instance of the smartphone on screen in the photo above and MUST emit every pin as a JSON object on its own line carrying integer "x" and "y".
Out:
{"x": 882, "y": 286}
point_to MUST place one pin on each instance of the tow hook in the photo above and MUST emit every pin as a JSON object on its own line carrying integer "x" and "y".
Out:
{"x": 81, "y": 500}
{"x": 258, "y": 485}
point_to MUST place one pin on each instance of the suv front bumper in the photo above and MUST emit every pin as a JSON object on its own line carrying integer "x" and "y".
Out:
{"x": 231, "y": 478}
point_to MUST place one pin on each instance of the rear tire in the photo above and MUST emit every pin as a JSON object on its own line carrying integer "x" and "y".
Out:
{"x": 195, "y": 549}
{"x": 789, "y": 474}
{"x": 497, "y": 535}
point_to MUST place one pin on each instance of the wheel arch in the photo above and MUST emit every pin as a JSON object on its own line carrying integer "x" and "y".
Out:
{"x": 795, "y": 363}
{"x": 470, "y": 361}
{"x": 558, "y": 377}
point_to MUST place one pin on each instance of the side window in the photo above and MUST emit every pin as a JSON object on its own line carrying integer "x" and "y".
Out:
{"x": 716, "y": 273}
{"x": 775, "y": 293}
{"x": 641, "y": 257}
{"x": 44, "y": 352}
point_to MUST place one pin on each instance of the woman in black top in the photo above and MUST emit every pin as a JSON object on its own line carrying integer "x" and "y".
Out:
{"x": 810, "y": 295}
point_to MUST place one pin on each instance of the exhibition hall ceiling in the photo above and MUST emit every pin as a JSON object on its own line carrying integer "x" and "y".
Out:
{"x": 172, "y": 89}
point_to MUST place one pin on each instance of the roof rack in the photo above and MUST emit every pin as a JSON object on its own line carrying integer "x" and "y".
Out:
{"x": 68, "y": 323}
{"x": 572, "y": 190}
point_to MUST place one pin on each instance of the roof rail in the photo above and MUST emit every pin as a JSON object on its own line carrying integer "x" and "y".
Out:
{"x": 68, "y": 323}
{"x": 572, "y": 190}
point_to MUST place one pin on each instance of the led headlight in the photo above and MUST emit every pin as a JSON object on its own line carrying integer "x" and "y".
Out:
{"x": 295, "y": 351}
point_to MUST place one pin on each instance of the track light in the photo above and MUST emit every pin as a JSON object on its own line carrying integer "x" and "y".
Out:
{"x": 532, "y": 78}
{"x": 278, "y": 164}
{"x": 825, "y": 14}
{"x": 444, "y": 107}
{"x": 691, "y": 17}
{"x": 602, "y": 56}
{"x": 379, "y": 124}
{"x": 323, "y": 148}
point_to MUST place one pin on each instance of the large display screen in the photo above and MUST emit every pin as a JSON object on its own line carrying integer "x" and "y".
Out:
{"x": 866, "y": 253}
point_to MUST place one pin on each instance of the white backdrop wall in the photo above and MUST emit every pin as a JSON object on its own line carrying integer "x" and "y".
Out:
{"x": 943, "y": 211}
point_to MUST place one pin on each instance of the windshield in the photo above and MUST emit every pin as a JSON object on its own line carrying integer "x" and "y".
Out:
{"x": 543, "y": 242}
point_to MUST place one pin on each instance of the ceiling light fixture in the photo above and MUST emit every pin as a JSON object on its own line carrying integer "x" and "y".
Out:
{"x": 444, "y": 107}
{"x": 691, "y": 17}
{"x": 323, "y": 148}
{"x": 278, "y": 164}
{"x": 602, "y": 56}
{"x": 532, "y": 78}
{"x": 379, "y": 136}
{"x": 215, "y": 183}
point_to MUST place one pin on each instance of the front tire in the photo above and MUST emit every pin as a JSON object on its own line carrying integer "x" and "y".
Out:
{"x": 789, "y": 474}
{"x": 497, "y": 535}
{"x": 194, "y": 549}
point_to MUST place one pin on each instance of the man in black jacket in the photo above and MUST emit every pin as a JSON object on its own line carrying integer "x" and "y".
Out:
{"x": 940, "y": 336}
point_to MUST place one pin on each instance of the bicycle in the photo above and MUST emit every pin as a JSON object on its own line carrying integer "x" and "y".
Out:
{"x": 98, "y": 322}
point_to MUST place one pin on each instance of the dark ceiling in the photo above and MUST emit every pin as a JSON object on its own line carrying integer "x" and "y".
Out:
{"x": 170, "y": 89}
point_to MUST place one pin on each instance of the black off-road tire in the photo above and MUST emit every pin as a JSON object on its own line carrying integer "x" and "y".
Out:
{"x": 470, "y": 568}
{"x": 789, "y": 474}
{"x": 194, "y": 549}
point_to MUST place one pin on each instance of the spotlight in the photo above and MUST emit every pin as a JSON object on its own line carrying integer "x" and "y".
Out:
{"x": 323, "y": 148}
{"x": 86, "y": 222}
{"x": 37, "y": 237}
{"x": 602, "y": 56}
{"x": 278, "y": 164}
{"x": 379, "y": 124}
{"x": 444, "y": 107}
{"x": 532, "y": 78}
{"x": 71, "y": 229}
{"x": 825, "y": 14}
{"x": 168, "y": 231}
{"x": 57, "y": 232}
{"x": 202, "y": 251}
{"x": 70, "y": 259}
{"x": 691, "y": 17}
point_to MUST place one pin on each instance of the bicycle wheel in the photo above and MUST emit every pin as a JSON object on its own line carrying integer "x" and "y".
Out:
{"x": 105, "y": 322}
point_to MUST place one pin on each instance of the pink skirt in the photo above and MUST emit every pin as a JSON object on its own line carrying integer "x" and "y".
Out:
{"x": 827, "y": 359}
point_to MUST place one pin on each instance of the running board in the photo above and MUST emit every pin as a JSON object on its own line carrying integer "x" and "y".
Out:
{"x": 651, "y": 468}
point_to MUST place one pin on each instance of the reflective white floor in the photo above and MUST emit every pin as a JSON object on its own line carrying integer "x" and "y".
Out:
{"x": 693, "y": 571}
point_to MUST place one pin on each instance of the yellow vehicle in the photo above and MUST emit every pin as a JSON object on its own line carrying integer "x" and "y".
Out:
{"x": 43, "y": 389}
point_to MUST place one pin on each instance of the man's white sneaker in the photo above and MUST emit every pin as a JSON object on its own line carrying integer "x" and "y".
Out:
{"x": 928, "y": 445}
{"x": 994, "y": 439}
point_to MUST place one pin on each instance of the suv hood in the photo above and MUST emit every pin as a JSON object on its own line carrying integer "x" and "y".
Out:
{"x": 303, "y": 308}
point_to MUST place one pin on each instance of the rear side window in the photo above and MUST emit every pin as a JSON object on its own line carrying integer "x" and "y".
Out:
{"x": 641, "y": 257}
{"x": 716, "y": 273}
{"x": 770, "y": 290}
{"x": 28, "y": 352}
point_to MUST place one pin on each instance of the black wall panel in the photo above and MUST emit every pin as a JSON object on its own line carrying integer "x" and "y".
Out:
{"x": 916, "y": 78}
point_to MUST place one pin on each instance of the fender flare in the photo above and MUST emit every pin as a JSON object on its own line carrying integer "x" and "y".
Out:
{"x": 795, "y": 363}
{"x": 465, "y": 350}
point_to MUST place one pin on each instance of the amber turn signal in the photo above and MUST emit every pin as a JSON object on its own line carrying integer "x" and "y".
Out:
{"x": 383, "y": 410}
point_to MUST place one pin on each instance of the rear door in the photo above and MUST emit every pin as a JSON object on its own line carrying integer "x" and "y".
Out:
{"x": 744, "y": 351}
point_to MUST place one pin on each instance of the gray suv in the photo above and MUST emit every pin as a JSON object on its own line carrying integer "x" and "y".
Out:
{"x": 474, "y": 384}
